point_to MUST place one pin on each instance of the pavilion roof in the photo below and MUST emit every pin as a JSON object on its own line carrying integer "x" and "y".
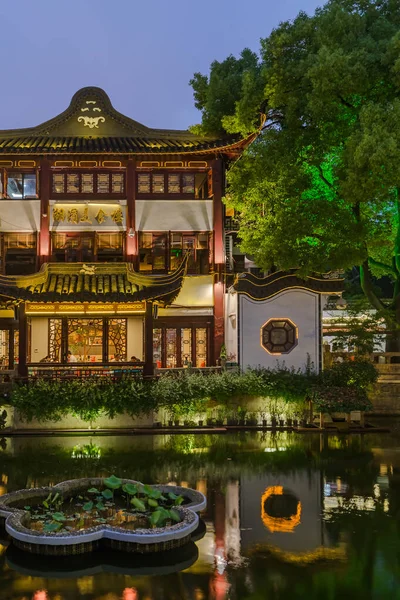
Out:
{"x": 92, "y": 125}
{"x": 95, "y": 282}
{"x": 262, "y": 288}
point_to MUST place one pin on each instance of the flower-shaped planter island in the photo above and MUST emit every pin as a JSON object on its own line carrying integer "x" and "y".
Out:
{"x": 80, "y": 515}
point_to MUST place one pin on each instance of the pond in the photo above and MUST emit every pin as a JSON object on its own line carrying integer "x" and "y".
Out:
{"x": 288, "y": 516}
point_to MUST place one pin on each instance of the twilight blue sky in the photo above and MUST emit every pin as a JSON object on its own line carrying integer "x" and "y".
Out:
{"x": 141, "y": 52}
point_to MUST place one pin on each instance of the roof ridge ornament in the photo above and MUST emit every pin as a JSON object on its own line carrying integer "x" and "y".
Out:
{"x": 88, "y": 120}
{"x": 88, "y": 270}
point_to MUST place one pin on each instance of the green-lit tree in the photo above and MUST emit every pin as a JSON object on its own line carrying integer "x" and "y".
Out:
{"x": 319, "y": 189}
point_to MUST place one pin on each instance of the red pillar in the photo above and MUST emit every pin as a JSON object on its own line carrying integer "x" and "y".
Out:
{"x": 23, "y": 341}
{"x": 219, "y": 255}
{"x": 219, "y": 289}
{"x": 131, "y": 234}
{"x": 44, "y": 194}
{"x": 148, "y": 370}
{"x": 218, "y": 210}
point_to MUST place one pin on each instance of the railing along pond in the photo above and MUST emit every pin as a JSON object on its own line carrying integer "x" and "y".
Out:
{"x": 82, "y": 370}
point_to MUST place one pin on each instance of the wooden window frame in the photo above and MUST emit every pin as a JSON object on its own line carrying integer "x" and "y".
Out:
{"x": 88, "y": 196}
{"x": 166, "y": 195}
{"x": 168, "y": 247}
{"x": 179, "y": 323}
{"x": 23, "y": 171}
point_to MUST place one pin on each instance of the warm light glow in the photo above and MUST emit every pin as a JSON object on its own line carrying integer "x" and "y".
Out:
{"x": 40, "y": 595}
{"x": 130, "y": 594}
{"x": 274, "y": 524}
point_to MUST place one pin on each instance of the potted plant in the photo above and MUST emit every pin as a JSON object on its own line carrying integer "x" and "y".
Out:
{"x": 219, "y": 421}
{"x": 264, "y": 419}
{"x": 232, "y": 419}
{"x": 223, "y": 356}
{"x": 251, "y": 419}
{"x": 242, "y": 412}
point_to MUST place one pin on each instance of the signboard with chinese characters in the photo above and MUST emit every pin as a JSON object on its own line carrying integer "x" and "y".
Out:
{"x": 79, "y": 216}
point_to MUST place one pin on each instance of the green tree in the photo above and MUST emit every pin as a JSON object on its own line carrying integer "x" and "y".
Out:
{"x": 319, "y": 189}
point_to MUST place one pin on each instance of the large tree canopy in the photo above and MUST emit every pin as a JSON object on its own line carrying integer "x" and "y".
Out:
{"x": 319, "y": 189}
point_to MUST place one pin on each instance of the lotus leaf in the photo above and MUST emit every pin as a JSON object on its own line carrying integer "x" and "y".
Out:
{"x": 138, "y": 504}
{"x": 59, "y": 516}
{"x": 52, "y": 527}
{"x": 130, "y": 489}
{"x": 88, "y": 506}
{"x": 114, "y": 483}
{"x": 107, "y": 494}
{"x": 152, "y": 503}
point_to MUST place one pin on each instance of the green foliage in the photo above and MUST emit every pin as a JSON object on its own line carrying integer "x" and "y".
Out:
{"x": 232, "y": 86}
{"x": 189, "y": 395}
{"x": 341, "y": 399}
{"x": 360, "y": 374}
{"x": 319, "y": 189}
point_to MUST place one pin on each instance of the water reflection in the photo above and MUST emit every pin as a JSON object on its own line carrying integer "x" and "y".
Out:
{"x": 287, "y": 517}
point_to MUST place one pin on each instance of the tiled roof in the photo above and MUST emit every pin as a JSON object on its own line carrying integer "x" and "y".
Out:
{"x": 261, "y": 288}
{"x": 91, "y": 124}
{"x": 97, "y": 282}
{"x": 61, "y": 145}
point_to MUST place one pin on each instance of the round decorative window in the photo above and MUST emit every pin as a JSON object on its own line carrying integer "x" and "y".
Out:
{"x": 280, "y": 509}
{"x": 279, "y": 336}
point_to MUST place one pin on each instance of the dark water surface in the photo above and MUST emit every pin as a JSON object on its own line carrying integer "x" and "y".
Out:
{"x": 289, "y": 516}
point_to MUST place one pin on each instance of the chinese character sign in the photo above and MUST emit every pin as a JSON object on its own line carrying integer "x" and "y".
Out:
{"x": 69, "y": 217}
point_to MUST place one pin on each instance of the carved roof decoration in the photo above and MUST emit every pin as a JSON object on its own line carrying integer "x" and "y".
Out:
{"x": 262, "y": 288}
{"x": 91, "y": 124}
{"x": 95, "y": 282}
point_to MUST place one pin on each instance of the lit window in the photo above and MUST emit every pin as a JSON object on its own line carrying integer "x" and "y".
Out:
{"x": 72, "y": 183}
{"x": 279, "y": 336}
{"x": 58, "y": 183}
{"x": 158, "y": 184}
{"x": 21, "y": 185}
{"x": 188, "y": 184}
{"x": 174, "y": 183}
{"x": 144, "y": 183}
{"x": 103, "y": 183}
{"x": 87, "y": 183}
{"x": 117, "y": 183}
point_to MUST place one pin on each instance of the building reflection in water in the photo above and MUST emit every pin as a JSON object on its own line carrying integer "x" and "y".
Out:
{"x": 285, "y": 514}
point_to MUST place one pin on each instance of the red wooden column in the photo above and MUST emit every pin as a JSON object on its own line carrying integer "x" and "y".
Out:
{"x": 23, "y": 341}
{"x": 219, "y": 255}
{"x": 44, "y": 194}
{"x": 148, "y": 369}
{"x": 131, "y": 234}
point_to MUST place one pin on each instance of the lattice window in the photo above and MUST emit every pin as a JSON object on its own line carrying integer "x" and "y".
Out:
{"x": 174, "y": 183}
{"x": 279, "y": 336}
{"x": 55, "y": 329}
{"x": 117, "y": 183}
{"x": 157, "y": 347}
{"x": 85, "y": 339}
{"x": 201, "y": 347}
{"x": 170, "y": 348}
{"x": 186, "y": 346}
{"x": 4, "y": 349}
{"x": 144, "y": 183}
{"x": 117, "y": 339}
{"x": 87, "y": 183}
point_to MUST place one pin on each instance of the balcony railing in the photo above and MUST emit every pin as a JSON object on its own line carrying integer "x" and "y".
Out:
{"x": 115, "y": 370}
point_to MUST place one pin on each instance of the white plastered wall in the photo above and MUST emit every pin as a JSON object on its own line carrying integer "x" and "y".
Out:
{"x": 231, "y": 326}
{"x": 135, "y": 338}
{"x": 301, "y": 307}
{"x": 174, "y": 215}
{"x": 39, "y": 338}
{"x": 20, "y": 215}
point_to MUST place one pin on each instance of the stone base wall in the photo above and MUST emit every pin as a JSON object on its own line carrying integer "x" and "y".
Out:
{"x": 385, "y": 398}
{"x": 15, "y": 422}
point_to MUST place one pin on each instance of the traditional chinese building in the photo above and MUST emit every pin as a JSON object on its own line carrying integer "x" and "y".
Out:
{"x": 112, "y": 242}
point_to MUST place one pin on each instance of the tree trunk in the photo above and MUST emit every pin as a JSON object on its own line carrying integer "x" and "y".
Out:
{"x": 393, "y": 339}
